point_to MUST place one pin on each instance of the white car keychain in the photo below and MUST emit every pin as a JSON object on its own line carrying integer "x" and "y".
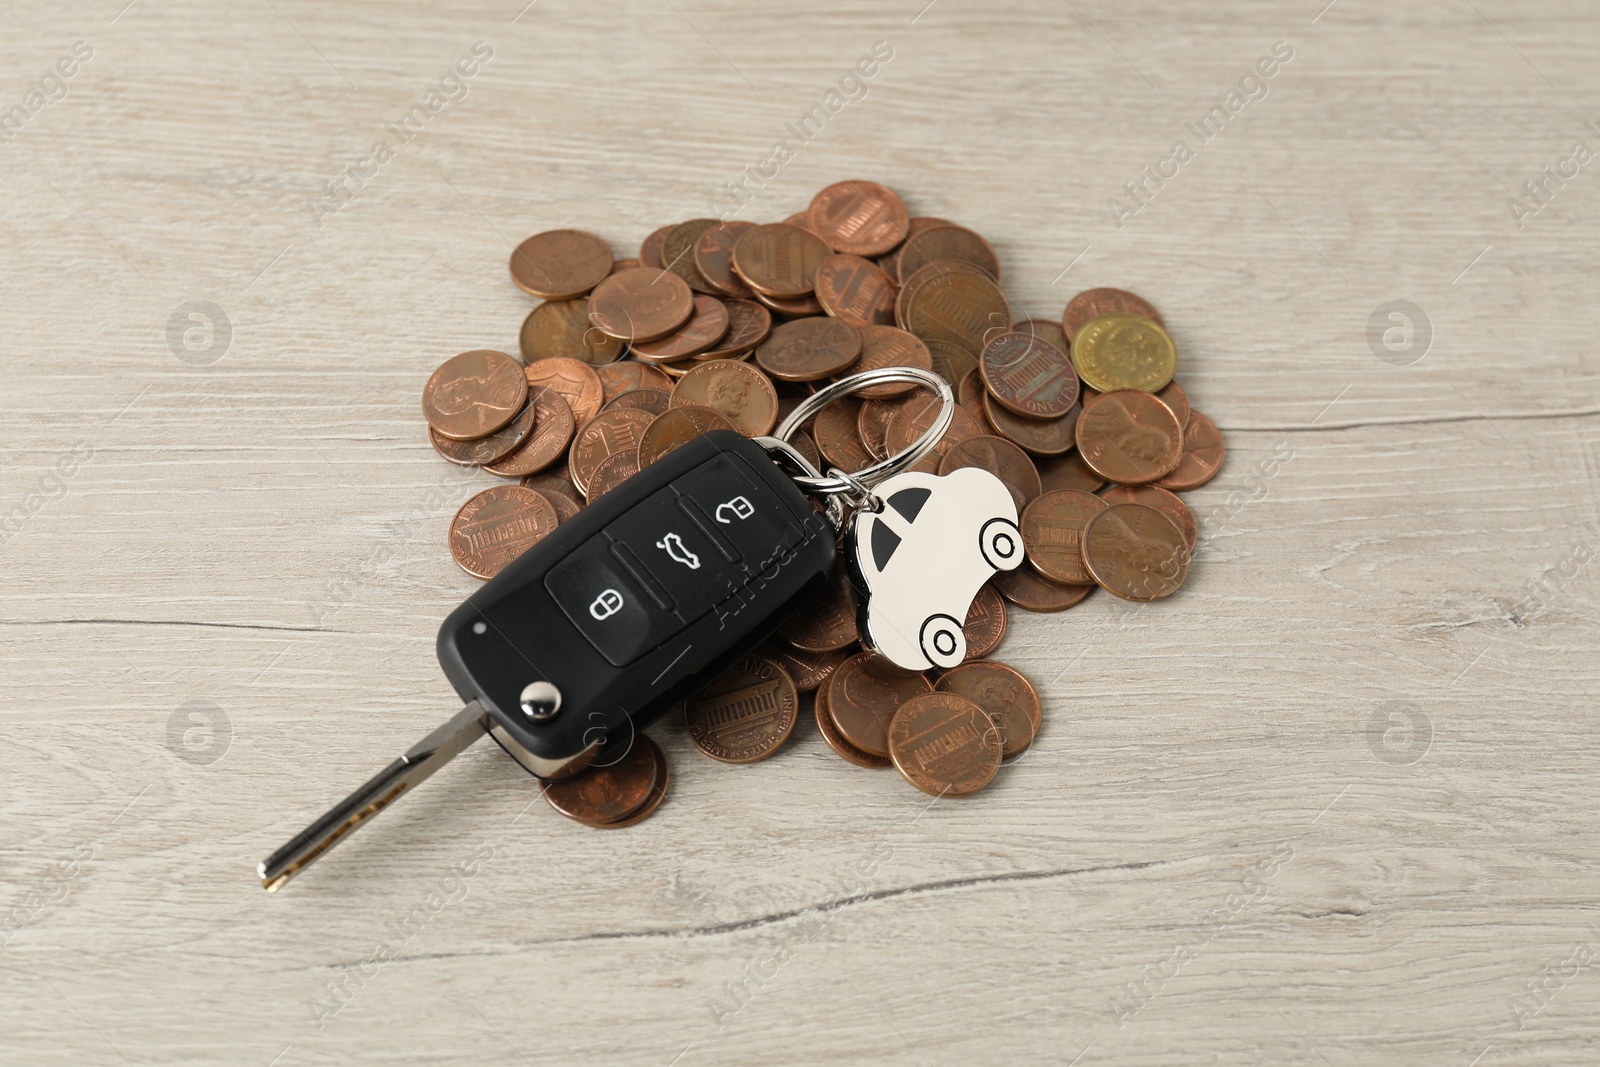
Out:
{"x": 922, "y": 545}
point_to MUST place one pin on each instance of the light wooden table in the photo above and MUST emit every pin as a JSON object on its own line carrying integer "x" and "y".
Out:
{"x": 1335, "y": 803}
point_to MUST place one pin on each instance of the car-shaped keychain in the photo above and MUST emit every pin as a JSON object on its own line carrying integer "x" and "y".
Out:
{"x": 923, "y": 556}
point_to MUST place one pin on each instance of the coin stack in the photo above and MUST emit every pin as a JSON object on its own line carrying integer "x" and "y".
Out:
{"x": 728, "y": 325}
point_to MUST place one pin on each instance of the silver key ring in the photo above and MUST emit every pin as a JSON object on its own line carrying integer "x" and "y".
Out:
{"x": 851, "y": 483}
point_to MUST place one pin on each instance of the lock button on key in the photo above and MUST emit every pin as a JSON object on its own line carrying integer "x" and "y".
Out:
{"x": 608, "y": 605}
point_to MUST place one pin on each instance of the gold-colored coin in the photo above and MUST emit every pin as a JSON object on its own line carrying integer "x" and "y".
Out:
{"x": 1124, "y": 352}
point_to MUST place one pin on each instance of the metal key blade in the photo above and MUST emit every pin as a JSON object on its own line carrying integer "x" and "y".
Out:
{"x": 420, "y": 761}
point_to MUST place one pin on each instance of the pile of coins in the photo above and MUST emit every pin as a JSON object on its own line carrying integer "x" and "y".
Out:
{"x": 729, "y": 325}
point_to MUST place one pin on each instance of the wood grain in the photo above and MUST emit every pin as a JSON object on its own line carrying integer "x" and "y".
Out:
{"x": 1334, "y": 803}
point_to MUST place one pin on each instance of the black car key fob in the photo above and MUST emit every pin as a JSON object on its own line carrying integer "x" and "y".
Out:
{"x": 640, "y": 599}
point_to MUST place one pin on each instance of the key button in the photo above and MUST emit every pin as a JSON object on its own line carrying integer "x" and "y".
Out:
{"x": 742, "y": 508}
{"x": 607, "y": 604}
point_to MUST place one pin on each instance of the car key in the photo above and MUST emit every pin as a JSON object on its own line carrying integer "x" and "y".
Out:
{"x": 639, "y": 600}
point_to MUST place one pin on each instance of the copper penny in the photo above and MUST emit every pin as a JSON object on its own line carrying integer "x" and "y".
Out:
{"x": 1123, "y": 352}
{"x": 612, "y": 472}
{"x": 808, "y": 670}
{"x": 1135, "y": 552}
{"x": 678, "y": 369}
{"x": 677, "y": 253}
{"x": 835, "y": 740}
{"x": 807, "y": 350}
{"x": 827, "y": 621}
{"x": 748, "y": 325}
{"x": 969, "y": 394}
{"x": 650, "y": 248}
{"x": 872, "y": 424}
{"x": 889, "y": 346}
{"x": 1028, "y": 375}
{"x": 641, "y": 305}
{"x": 949, "y": 243}
{"x": 1153, "y": 496}
{"x": 838, "y": 432}
{"x": 655, "y": 401}
{"x": 497, "y": 526}
{"x": 658, "y": 791}
{"x": 746, "y": 714}
{"x": 485, "y": 450}
{"x": 953, "y": 302}
{"x": 864, "y": 694}
{"x": 800, "y": 307}
{"x": 855, "y": 290}
{"x": 917, "y": 417}
{"x": 1093, "y": 303}
{"x": 891, "y": 262}
{"x": 780, "y": 260}
{"x": 859, "y": 218}
{"x": 1009, "y": 699}
{"x": 1068, "y": 472}
{"x": 807, "y": 447}
{"x": 985, "y": 626}
{"x": 951, "y": 361}
{"x": 1041, "y": 437}
{"x": 626, "y": 374}
{"x": 1202, "y": 455}
{"x": 625, "y": 264}
{"x": 602, "y": 437}
{"x": 560, "y": 264}
{"x": 706, "y": 326}
{"x": 676, "y": 428}
{"x": 740, "y": 392}
{"x": 713, "y": 253}
{"x": 1045, "y": 330}
{"x": 1052, "y": 534}
{"x": 1028, "y": 589}
{"x": 575, "y": 380}
{"x": 801, "y": 219}
{"x": 474, "y": 394}
{"x": 553, "y": 483}
{"x": 1129, "y": 437}
{"x": 552, "y": 433}
{"x": 944, "y": 745}
{"x": 790, "y": 396}
{"x": 1175, "y": 398}
{"x": 562, "y": 328}
{"x": 566, "y": 507}
{"x": 611, "y": 789}
{"x": 1000, "y": 458}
